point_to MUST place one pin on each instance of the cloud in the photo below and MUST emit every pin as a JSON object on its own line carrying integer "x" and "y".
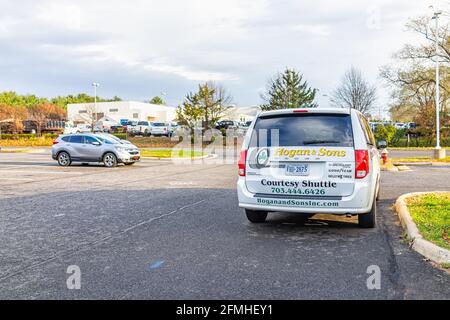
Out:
{"x": 315, "y": 30}
{"x": 137, "y": 50}
{"x": 59, "y": 15}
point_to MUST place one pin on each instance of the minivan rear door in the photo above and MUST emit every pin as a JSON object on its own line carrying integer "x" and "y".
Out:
{"x": 303, "y": 154}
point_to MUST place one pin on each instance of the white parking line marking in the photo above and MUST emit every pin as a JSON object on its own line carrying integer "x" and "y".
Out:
{"x": 44, "y": 172}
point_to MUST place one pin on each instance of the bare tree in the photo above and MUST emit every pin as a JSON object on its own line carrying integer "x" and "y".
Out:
{"x": 43, "y": 112}
{"x": 412, "y": 77}
{"x": 426, "y": 50}
{"x": 209, "y": 104}
{"x": 224, "y": 101}
{"x": 355, "y": 92}
{"x": 12, "y": 117}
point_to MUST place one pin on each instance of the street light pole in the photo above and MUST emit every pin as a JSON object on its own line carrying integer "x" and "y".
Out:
{"x": 95, "y": 85}
{"x": 438, "y": 152}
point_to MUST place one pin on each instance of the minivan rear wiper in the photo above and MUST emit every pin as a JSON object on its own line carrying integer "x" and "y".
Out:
{"x": 319, "y": 141}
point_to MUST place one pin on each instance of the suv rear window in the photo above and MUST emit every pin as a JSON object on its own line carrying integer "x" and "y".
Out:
{"x": 314, "y": 129}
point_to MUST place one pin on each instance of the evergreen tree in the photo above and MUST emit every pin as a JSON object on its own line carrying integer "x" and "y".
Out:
{"x": 157, "y": 100}
{"x": 288, "y": 90}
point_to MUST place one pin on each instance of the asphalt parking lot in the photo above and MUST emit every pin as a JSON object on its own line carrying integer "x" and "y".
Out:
{"x": 161, "y": 230}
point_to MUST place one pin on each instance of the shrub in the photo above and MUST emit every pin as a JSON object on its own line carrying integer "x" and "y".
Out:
{"x": 386, "y": 133}
{"x": 122, "y": 136}
{"x": 27, "y": 136}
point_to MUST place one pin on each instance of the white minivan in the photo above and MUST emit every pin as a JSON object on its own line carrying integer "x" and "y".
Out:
{"x": 309, "y": 161}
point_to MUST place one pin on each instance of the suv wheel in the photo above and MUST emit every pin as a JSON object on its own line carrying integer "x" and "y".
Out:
{"x": 369, "y": 220}
{"x": 256, "y": 216}
{"x": 110, "y": 160}
{"x": 64, "y": 159}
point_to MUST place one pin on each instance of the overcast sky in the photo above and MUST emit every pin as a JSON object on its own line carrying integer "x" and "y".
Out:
{"x": 136, "y": 49}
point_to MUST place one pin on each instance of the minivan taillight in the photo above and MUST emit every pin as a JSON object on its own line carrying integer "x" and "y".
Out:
{"x": 241, "y": 162}
{"x": 361, "y": 164}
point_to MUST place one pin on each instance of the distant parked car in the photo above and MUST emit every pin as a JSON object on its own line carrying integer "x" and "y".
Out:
{"x": 374, "y": 125}
{"x": 111, "y": 136}
{"x": 132, "y": 127}
{"x": 91, "y": 147}
{"x": 172, "y": 127}
{"x": 144, "y": 128}
{"x": 69, "y": 128}
{"x": 244, "y": 125}
{"x": 159, "y": 129}
{"x": 400, "y": 125}
{"x": 227, "y": 124}
{"x": 105, "y": 124}
{"x": 118, "y": 129}
{"x": 79, "y": 128}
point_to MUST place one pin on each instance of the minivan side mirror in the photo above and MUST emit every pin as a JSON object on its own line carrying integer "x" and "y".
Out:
{"x": 382, "y": 144}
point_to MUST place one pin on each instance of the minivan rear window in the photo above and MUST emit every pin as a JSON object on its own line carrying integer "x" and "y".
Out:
{"x": 314, "y": 129}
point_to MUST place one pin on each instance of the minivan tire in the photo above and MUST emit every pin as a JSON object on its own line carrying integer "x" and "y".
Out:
{"x": 378, "y": 191}
{"x": 256, "y": 216}
{"x": 110, "y": 160}
{"x": 369, "y": 220}
{"x": 64, "y": 159}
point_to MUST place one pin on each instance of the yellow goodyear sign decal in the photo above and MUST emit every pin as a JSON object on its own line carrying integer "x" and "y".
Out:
{"x": 322, "y": 152}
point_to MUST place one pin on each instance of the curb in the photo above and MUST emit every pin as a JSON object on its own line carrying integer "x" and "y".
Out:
{"x": 412, "y": 163}
{"x": 422, "y": 164}
{"x": 419, "y": 244}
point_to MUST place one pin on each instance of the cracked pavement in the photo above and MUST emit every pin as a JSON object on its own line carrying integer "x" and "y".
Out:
{"x": 159, "y": 230}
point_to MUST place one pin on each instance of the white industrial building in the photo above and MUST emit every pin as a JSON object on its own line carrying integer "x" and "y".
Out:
{"x": 241, "y": 114}
{"x": 83, "y": 113}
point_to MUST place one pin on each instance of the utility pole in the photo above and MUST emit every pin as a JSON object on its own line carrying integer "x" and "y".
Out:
{"x": 438, "y": 152}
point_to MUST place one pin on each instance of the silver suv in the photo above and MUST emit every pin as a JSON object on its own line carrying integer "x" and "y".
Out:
{"x": 91, "y": 147}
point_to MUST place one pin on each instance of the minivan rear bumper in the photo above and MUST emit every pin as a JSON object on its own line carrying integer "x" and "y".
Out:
{"x": 359, "y": 202}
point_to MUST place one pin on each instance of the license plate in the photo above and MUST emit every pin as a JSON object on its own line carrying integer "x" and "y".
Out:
{"x": 297, "y": 169}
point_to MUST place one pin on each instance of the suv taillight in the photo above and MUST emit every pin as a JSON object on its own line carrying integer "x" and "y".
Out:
{"x": 361, "y": 164}
{"x": 241, "y": 162}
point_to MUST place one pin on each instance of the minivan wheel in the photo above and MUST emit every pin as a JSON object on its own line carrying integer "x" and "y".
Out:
{"x": 256, "y": 216}
{"x": 64, "y": 159}
{"x": 368, "y": 220}
{"x": 110, "y": 160}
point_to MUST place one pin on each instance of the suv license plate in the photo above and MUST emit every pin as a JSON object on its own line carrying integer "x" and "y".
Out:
{"x": 297, "y": 169}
